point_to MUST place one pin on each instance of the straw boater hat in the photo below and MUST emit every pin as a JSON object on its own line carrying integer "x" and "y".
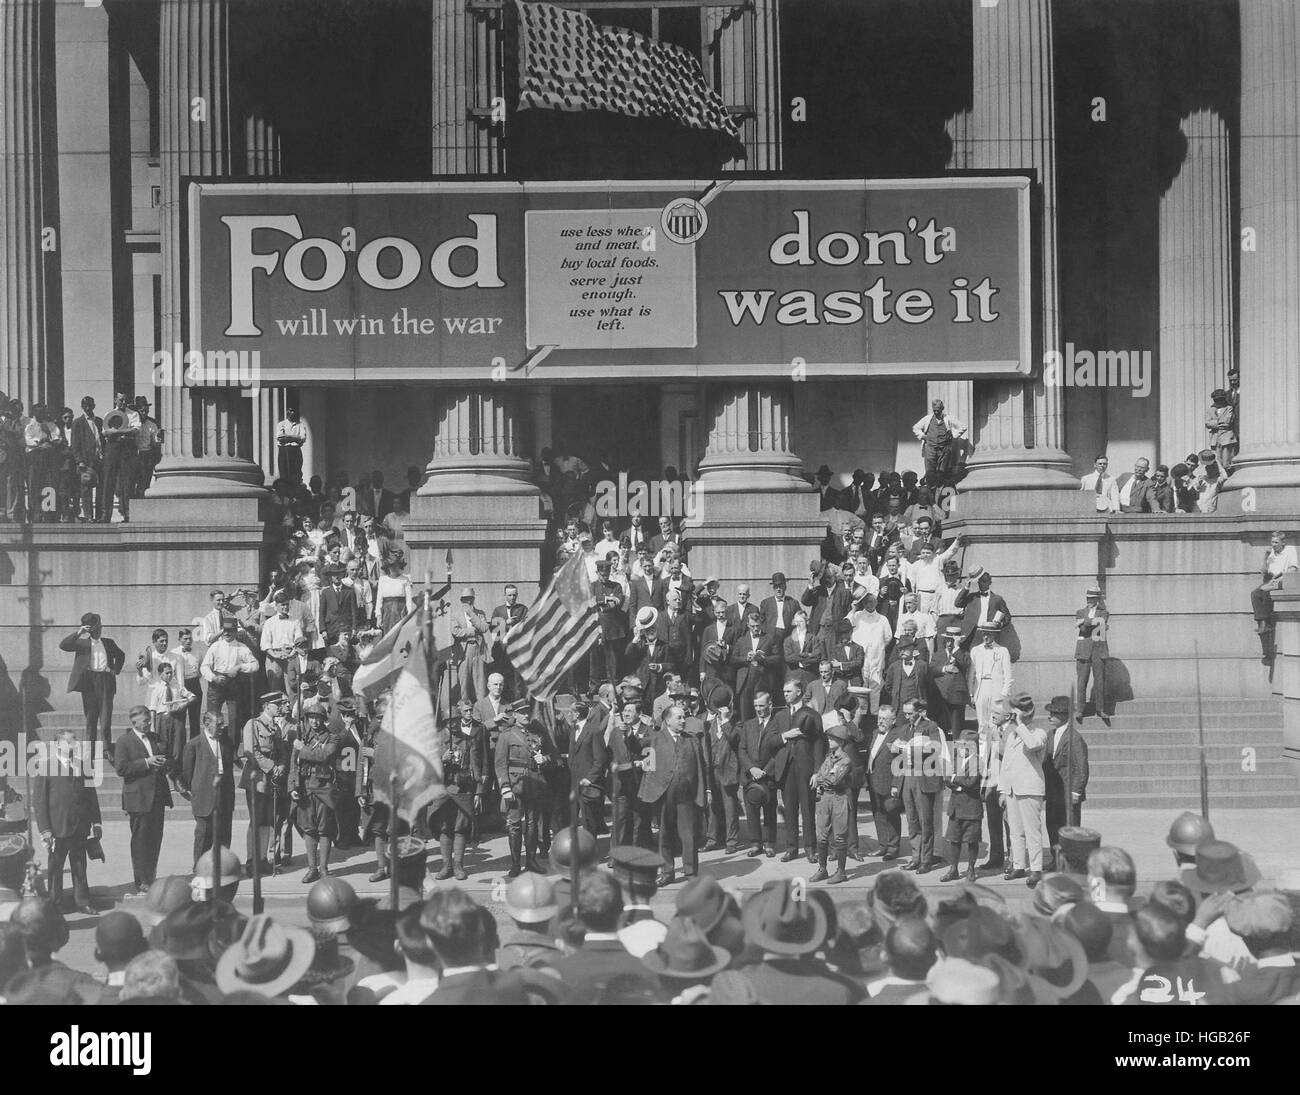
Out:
{"x": 648, "y": 616}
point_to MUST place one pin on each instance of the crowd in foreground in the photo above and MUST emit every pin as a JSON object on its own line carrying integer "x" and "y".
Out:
{"x": 1209, "y": 934}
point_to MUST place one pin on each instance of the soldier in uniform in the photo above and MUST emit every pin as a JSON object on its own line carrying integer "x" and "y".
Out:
{"x": 524, "y": 754}
{"x": 464, "y": 762}
{"x": 265, "y": 751}
{"x": 349, "y": 813}
{"x": 313, "y": 786}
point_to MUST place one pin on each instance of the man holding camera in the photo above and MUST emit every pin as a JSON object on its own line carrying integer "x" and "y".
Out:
{"x": 228, "y": 666}
{"x": 141, "y": 761}
{"x": 752, "y": 656}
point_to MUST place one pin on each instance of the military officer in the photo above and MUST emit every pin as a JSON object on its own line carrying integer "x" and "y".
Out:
{"x": 524, "y": 754}
{"x": 265, "y": 750}
{"x": 464, "y": 762}
{"x": 313, "y": 786}
{"x": 353, "y": 735}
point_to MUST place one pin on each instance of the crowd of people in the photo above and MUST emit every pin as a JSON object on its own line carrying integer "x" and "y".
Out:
{"x": 1207, "y": 934}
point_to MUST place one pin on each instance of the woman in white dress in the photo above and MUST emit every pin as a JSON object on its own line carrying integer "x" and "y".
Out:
{"x": 393, "y": 592}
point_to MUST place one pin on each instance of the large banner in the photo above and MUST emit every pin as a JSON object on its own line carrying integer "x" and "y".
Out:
{"x": 472, "y": 281}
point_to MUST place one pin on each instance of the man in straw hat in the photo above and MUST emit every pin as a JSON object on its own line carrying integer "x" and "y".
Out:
{"x": 685, "y": 958}
{"x": 268, "y": 959}
{"x": 1021, "y": 787}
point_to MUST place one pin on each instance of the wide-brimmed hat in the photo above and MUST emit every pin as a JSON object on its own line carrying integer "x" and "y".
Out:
{"x": 1023, "y": 702}
{"x": 1047, "y": 950}
{"x": 328, "y": 963}
{"x": 184, "y": 933}
{"x": 1220, "y": 866}
{"x": 268, "y": 958}
{"x": 685, "y": 952}
{"x": 1260, "y": 916}
{"x": 1056, "y": 890}
{"x": 703, "y": 900}
{"x": 959, "y": 981}
{"x": 782, "y": 921}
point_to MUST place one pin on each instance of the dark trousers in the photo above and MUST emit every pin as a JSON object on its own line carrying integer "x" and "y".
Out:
{"x": 1096, "y": 667}
{"x": 227, "y": 700}
{"x": 797, "y": 798}
{"x": 1058, "y": 815}
{"x": 591, "y": 814}
{"x": 887, "y": 824}
{"x": 725, "y": 815}
{"x": 996, "y": 818}
{"x": 604, "y": 664}
{"x": 762, "y": 821}
{"x": 71, "y": 849}
{"x": 1261, "y": 601}
{"x": 349, "y": 810}
{"x": 632, "y": 820}
{"x": 146, "y": 841}
{"x": 145, "y": 463}
{"x": 938, "y": 461}
{"x": 171, "y": 731}
{"x": 87, "y": 491}
{"x": 677, "y": 814}
{"x": 290, "y": 462}
{"x": 119, "y": 478}
{"x": 195, "y": 709}
{"x": 950, "y": 716}
{"x": 920, "y": 807}
{"x": 97, "y": 690}
{"x": 217, "y": 824}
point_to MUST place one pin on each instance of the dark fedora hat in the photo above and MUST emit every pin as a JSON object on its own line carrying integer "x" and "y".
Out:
{"x": 1059, "y": 705}
{"x": 781, "y": 920}
{"x": 757, "y": 793}
{"x": 685, "y": 952}
{"x": 1221, "y": 866}
{"x": 703, "y": 900}
{"x": 184, "y": 933}
{"x": 1076, "y": 844}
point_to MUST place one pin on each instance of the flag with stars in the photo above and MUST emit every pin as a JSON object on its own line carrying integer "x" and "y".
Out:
{"x": 569, "y": 62}
{"x": 557, "y": 631}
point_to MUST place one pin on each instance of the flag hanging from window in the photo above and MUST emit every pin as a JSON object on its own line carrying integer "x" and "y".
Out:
{"x": 557, "y": 631}
{"x": 569, "y": 62}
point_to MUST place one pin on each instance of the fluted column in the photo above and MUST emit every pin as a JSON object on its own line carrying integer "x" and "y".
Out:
{"x": 1270, "y": 275}
{"x": 1020, "y": 439}
{"x": 207, "y": 449}
{"x": 750, "y": 444}
{"x": 479, "y": 447}
{"x": 743, "y": 51}
{"x": 468, "y": 55}
{"x": 958, "y": 395}
{"x": 23, "y": 351}
{"x": 1196, "y": 323}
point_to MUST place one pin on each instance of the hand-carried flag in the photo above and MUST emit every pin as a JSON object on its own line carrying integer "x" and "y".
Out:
{"x": 557, "y": 631}
{"x": 407, "y": 741}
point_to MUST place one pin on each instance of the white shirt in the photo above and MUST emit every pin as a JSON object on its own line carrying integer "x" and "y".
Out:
{"x": 1278, "y": 563}
{"x": 216, "y": 752}
{"x": 280, "y": 634}
{"x": 186, "y": 662}
{"x": 923, "y": 423}
{"x": 296, "y": 431}
{"x": 1107, "y": 498}
{"x": 228, "y": 658}
{"x": 98, "y": 656}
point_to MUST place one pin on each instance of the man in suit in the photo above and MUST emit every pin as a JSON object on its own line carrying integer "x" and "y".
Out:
{"x": 805, "y": 747}
{"x": 208, "y": 779}
{"x": 667, "y": 537}
{"x": 716, "y": 641}
{"x": 722, "y": 761}
{"x": 759, "y": 742}
{"x": 674, "y": 785}
{"x": 1091, "y": 649}
{"x": 95, "y": 665}
{"x": 675, "y": 630}
{"x": 602, "y": 957}
{"x": 882, "y": 784}
{"x": 140, "y": 759}
{"x": 751, "y": 658}
{"x": 828, "y": 601}
{"x": 339, "y": 610}
{"x": 878, "y": 540}
{"x": 67, "y": 816}
{"x": 589, "y": 762}
{"x": 648, "y": 653}
{"x": 949, "y": 687}
{"x": 739, "y": 612}
{"x": 503, "y": 618}
{"x": 1135, "y": 489}
{"x": 609, "y": 597}
{"x": 905, "y": 679}
{"x": 1064, "y": 758}
{"x": 646, "y": 589}
{"x": 846, "y": 656}
{"x": 373, "y": 500}
{"x": 469, "y": 633}
{"x": 922, "y": 782}
{"x": 803, "y": 650}
{"x": 87, "y": 444}
{"x": 827, "y": 692}
{"x": 981, "y": 606}
{"x": 778, "y": 611}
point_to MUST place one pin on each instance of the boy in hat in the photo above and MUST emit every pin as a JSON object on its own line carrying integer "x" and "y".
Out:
{"x": 965, "y": 805}
{"x": 832, "y": 785}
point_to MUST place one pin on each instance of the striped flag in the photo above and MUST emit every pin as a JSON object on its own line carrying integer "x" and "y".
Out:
{"x": 558, "y": 630}
{"x": 407, "y": 741}
{"x": 569, "y": 62}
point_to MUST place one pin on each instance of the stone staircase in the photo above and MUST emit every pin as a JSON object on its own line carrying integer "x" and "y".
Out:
{"x": 1148, "y": 756}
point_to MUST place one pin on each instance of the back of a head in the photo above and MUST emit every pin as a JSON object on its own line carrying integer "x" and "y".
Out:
{"x": 1175, "y": 897}
{"x": 459, "y": 930}
{"x": 1091, "y": 927}
{"x": 44, "y": 930}
{"x": 911, "y": 948}
{"x": 118, "y": 939}
{"x": 600, "y": 901}
{"x": 151, "y": 976}
{"x": 13, "y": 954}
{"x": 1114, "y": 866}
{"x": 1162, "y": 934}
{"x": 894, "y": 895}
{"x": 412, "y": 939}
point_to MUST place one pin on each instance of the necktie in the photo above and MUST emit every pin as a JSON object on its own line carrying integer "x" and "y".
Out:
{"x": 169, "y": 697}
{"x": 1099, "y": 483}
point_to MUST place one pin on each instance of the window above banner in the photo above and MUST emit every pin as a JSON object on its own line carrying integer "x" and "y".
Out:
{"x": 563, "y": 281}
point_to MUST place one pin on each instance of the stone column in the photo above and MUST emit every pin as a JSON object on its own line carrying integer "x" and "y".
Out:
{"x": 23, "y": 344}
{"x": 743, "y": 53}
{"x": 1020, "y": 439}
{"x": 207, "y": 449}
{"x": 468, "y": 50}
{"x": 1270, "y": 275}
{"x": 1196, "y": 321}
{"x": 750, "y": 445}
{"x": 479, "y": 446}
{"x": 958, "y": 395}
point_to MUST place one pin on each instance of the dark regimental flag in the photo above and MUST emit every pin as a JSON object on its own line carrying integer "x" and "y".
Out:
{"x": 558, "y": 630}
{"x": 569, "y": 62}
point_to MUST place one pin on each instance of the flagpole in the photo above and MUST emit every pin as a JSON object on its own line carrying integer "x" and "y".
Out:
{"x": 258, "y": 903}
{"x": 392, "y": 833}
{"x": 1200, "y": 733}
{"x": 573, "y": 832}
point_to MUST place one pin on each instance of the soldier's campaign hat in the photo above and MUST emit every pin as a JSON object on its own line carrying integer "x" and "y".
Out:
{"x": 272, "y": 697}
{"x": 1220, "y": 866}
{"x": 685, "y": 952}
{"x": 635, "y": 866}
{"x": 1076, "y": 844}
{"x": 780, "y": 920}
{"x": 1187, "y": 832}
{"x": 647, "y": 616}
{"x": 530, "y": 899}
{"x": 467, "y": 594}
{"x": 315, "y": 711}
{"x": 330, "y": 903}
{"x": 1060, "y": 706}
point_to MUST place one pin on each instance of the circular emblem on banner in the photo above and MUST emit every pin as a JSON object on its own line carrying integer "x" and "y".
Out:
{"x": 684, "y": 220}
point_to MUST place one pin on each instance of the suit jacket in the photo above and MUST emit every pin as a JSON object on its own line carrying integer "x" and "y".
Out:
{"x": 826, "y": 697}
{"x": 366, "y": 503}
{"x": 658, "y": 542}
{"x": 850, "y": 656}
{"x": 1265, "y": 985}
{"x": 722, "y": 754}
{"x": 589, "y": 755}
{"x": 613, "y": 620}
{"x": 87, "y": 448}
{"x": 920, "y": 762}
{"x": 727, "y": 639}
{"x": 65, "y": 805}
{"x": 639, "y": 596}
{"x": 827, "y": 608}
{"x": 78, "y": 645}
{"x": 142, "y": 786}
{"x": 1140, "y": 499}
{"x": 753, "y": 677}
{"x": 599, "y": 961}
{"x": 952, "y": 688}
{"x": 880, "y": 773}
{"x": 1070, "y": 754}
{"x": 768, "y": 610}
{"x": 670, "y": 763}
{"x": 736, "y": 618}
{"x": 676, "y": 634}
{"x": 802, "y": 754}
{"x": 968, "y": 600}
{"x": 339, "y": 610}
{"x": 758, "y": 747}
{"x": 643, "y": 657}
{"x": 198, "y": 775}
{"x": 802, "y": 659}
{"x": 898, "y": 687}
{"x": 1092, "y": 635}
{"x": 806, "y": 980}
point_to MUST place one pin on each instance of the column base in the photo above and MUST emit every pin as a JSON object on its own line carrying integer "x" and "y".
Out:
{"x": 1020, "y": 469}
{"x": 207, "y": 477}
{"x": 1272, "y": 474}
{"x": 507, "y": 478}
{"x": 766, "y": 473}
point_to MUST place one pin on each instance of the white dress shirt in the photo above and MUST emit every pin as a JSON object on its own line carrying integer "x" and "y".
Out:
{"x": 98, "y": 656}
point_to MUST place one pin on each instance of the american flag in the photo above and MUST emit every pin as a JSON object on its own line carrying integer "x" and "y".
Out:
{"x": 569, "y": 62}
{"x": 558, "y": 630}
